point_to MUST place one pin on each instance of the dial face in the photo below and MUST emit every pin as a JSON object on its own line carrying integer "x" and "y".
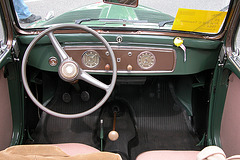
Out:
{"x": 146, "y": 60}
{"x": 90, "y": 58}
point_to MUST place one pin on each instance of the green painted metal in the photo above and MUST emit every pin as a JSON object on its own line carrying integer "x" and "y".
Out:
{"x": 232, "y": 68}
{"x": 183, "y": 90}
{"x": 118, "y": 12}
{"x": 128, "y": 40}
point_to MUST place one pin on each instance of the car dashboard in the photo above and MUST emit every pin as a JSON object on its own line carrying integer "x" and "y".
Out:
{"x": 135, "y": 54}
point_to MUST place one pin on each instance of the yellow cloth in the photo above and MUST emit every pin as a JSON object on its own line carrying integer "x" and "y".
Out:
{"x": 50, "y": 152}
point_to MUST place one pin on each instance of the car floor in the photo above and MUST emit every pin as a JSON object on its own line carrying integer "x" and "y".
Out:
{"x": 148, "y": 119}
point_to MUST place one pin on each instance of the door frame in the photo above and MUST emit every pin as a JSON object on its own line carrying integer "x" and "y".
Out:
{"x": 12, "y": 72}
{"x": 225, "y": 66}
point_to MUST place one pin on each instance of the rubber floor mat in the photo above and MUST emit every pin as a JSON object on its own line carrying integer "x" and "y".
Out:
{"x": 161, "y": 124}
{"x": 52, "y": 129}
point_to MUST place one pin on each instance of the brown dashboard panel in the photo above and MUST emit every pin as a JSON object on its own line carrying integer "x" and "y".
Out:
{"x": 129, "y": 59}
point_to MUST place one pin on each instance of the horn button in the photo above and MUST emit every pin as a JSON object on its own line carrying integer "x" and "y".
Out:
{"x": 69, "y": 70}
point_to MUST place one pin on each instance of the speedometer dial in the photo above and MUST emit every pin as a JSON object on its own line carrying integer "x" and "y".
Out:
{"x": 90, "y": 58}
{"x": 146, "y": 60}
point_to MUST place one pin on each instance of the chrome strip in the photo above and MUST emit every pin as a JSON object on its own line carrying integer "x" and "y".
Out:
{"x": 231, "y": 59}
{"x": 122, "y": 48}
{"x": 123, "y": 43}
{"x": 3, "y": 55}
{"x": 128, "y": 72}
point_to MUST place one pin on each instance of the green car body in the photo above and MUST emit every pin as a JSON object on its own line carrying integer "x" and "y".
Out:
{"x": 199, "y": 85}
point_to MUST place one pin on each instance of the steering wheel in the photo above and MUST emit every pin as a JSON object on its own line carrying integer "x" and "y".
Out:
{"x": 69, "y": 70}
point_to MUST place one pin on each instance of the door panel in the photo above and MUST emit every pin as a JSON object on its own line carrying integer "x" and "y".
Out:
{"x": 5, "y": 113}
{"x": 230, "y": 128}
{"x": 6, "y": 123}
{"x": 223, "y": 126}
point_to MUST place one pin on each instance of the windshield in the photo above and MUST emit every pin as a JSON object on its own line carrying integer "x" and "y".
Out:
{"x": 205, "y": 16}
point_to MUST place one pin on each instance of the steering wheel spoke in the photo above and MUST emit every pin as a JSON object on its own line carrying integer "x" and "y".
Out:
{"x": 61, "y": 53}
{"x": 91, "y": 80}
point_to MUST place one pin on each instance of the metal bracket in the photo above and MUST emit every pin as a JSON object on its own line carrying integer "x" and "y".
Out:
{"x": 222, "y": 56}
{"x": 15, "y": 51}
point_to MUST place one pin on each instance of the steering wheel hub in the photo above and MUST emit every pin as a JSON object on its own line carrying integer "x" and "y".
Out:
{"x": 68, "y": 70}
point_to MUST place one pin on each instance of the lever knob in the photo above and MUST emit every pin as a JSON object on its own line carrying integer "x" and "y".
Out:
{"x": 113, "y": 135}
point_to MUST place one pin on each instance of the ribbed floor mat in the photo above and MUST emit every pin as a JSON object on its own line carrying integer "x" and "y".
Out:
{"x": 161, "y": 123}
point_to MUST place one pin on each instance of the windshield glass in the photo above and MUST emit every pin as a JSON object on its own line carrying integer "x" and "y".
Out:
{"x": 205, "y": 16}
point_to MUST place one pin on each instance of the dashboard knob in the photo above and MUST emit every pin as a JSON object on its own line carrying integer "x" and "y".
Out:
{"x": 107, "y": 67}
{"x": 129, "y": 67}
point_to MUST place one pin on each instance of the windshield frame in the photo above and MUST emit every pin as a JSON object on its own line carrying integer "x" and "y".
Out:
{"x": 128, "y": 30}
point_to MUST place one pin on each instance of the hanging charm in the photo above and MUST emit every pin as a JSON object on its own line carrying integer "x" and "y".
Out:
{"x": 178, "y": 41}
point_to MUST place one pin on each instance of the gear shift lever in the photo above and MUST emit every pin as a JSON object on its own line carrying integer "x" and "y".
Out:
{"x": 113, "y": 135}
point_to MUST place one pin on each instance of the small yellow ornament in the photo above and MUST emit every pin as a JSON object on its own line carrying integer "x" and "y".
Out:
{"x": 178, "y": 41}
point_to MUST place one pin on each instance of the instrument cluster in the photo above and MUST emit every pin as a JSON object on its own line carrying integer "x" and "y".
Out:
{"x": 129, "y": 60}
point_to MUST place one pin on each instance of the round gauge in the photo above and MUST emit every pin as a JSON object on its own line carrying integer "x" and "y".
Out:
{"x": 146, "y": 60}
{"x": 90, "y": 58}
